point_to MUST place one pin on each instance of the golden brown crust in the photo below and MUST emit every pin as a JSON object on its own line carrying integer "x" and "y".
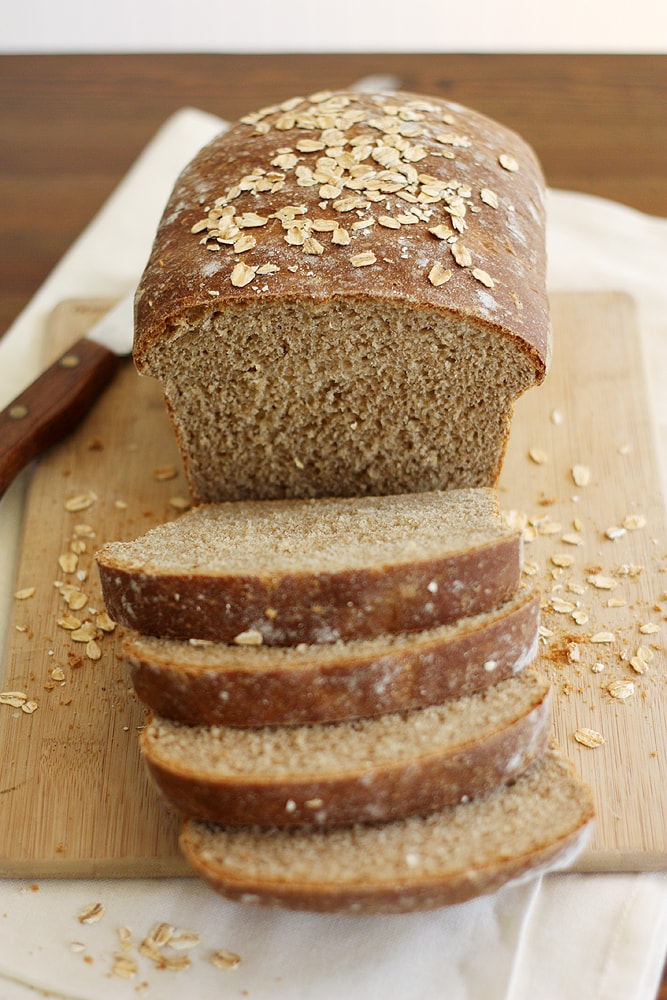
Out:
{"x": 503, "y": 218}
{"x": 313, "y": 607}
{"x": 530, "y": 836}
{"x": 392, "y": 790}
{"x": 362, "y": 680}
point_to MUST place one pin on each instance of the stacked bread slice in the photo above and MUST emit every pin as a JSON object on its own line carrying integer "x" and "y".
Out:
{"x": 342, "y": 703}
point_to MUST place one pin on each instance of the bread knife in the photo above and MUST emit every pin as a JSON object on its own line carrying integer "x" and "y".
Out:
{"x": 60, "y": 397}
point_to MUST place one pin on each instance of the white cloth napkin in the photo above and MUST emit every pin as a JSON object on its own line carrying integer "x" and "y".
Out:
{"x": 603, "y": 937}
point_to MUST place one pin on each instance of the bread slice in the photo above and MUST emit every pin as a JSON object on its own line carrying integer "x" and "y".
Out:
{"x": 345, "y": 296}
{"x": 365, "y": 770}
{"x": 285, "y": 572}
{"x": 226, "y": 684}
{"x": 541, "y": 821}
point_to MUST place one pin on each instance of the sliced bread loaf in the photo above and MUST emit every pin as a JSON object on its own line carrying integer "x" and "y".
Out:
{"x": 285, "y": 572}
{"x": 226, "y": 684}
{"x": 540, "y": 821}
{"x": 374, "y": 303}
{"x": 364, "y": 770}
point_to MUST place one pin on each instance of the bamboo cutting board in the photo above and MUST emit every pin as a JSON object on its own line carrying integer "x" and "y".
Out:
{"x": 74, "y": 800}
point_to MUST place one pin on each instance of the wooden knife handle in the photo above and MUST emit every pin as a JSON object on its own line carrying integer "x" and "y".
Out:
{"x": 53, "y": 405}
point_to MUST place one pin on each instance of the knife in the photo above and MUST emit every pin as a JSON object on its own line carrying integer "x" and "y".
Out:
{"x": 60, "y": 397}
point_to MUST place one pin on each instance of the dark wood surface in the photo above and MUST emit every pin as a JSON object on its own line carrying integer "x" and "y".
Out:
{"x": 71, "y": 126}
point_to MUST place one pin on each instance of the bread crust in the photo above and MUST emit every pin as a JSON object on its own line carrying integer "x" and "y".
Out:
{"x": 559, "y": 840}
{"x": 413, "y": 783}
{"x": 312, "y": 607}
{"x": 242, "y": 686}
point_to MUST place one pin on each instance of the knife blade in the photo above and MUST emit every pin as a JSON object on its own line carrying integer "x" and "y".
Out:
{"x": 60, "y": 397}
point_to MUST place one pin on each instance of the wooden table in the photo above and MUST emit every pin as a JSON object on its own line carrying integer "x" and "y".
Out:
{"x": 72, "y": 125}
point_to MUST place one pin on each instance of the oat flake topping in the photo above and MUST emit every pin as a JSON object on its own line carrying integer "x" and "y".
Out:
{"x": 369, "y": 163}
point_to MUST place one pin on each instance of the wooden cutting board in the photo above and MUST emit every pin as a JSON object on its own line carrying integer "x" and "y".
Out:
{"x": 74, "y": 800}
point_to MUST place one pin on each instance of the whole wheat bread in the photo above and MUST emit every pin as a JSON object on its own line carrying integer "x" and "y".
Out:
{"x": 539, "y": 822}
{"x": 285, "y": 572}
{"x": 346, "y": 295}
{"x": 375, "y": 769}
{"x": 226, "y": 684}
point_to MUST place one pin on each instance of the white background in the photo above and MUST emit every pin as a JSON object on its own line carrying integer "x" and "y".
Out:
{"x": 344, "y": 25}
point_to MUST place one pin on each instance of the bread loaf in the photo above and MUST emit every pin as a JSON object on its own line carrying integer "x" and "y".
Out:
{"x": 227, "y": 684}
{"x": 368, "y": 770}
{"x": 540, "y": 821}
{"x": 346, "y": 295}
{"x": 290, "y": 571}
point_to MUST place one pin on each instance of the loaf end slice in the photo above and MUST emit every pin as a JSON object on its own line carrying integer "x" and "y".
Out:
{"x": 291, "y": 571}
{"x": 366, "y": 770}
{"x": 540, "y": 822}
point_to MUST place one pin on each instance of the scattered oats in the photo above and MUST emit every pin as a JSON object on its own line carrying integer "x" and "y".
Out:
{"x": 603, "y": 637}
{"x": 389, "y": 222}
{"x": 363, "y": 259}
{"x": 556, "y": 417}
{"x": 639, "y": 665}
{"x": 650, "y": 628}
{"x": 120, "y": 505}
{"x": 242, "y": 275}
{"x": 85, "y": 633}
{"x": 439, "y": 275}
{"x": 621, "y": 689}
{"x": 15, "y": 699}
{"x": 104, "y": 622}
{"x": 124, "y": 967}
{"x": 634, "y": 521}
{"x": 614, "y": 533}
{"x": 69, "y": 622}
{"x": 176, "y": 964}
{"x": 249, "y": 220}
{"x": 340, "y": 237}
{"x": 616, "y": 602}
{"x": 91, "y": 914}
{"x": 93, "y": 651}
{"x": 646, "y": 654}
{"x": 75, "y": 599}
{"x": 77, "y": 946}
{"x": 268, "y": 269}
{"x": 562, "y": 560}
{"x": 442, "y": 231}
{"x": 547, "y": 527}
{"x": 530, "y": 568}
{"x": 538, "y": 456}
{"x": 598, "y": 667}
{"x": 602, "y": 582}
{"x": 312, "y": 246}
{"x": 544, "y": 632}
{"x": 574, "y": 652}
{"x": 461, "y": 255}
{"x": 250, "y": 638}
{"x": 562, "y": 607}
{"x": 580, "y": 617}
{"x": 572, "y": 539}
{"x": 483, "y": 277}
{"x": 575, "y": 588}
{"x": 223, "y": 959}
{"x": 80, "y": 502}
{"x": 58, "y": 674}
{"x": 180, "y": 503}
{"x": 489, "y": 197}
{"x": 184, "y": 940}
{"x": 68, "y": 562}
{"x": 25, "y": 593}
{"x": 581, "y": 475}
{"x": 589, "y": 738}
{"x": 83, "y": 531}
{"x": 508, "y": 162}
